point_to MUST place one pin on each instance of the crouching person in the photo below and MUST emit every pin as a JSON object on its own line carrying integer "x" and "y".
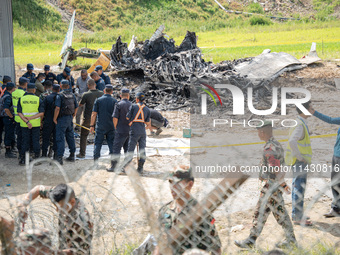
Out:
{"x": 32, "y": 241}
{"x": 75, "y": 225}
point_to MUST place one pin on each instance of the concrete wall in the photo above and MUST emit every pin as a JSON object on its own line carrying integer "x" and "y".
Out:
{"x": 6, "y": 40}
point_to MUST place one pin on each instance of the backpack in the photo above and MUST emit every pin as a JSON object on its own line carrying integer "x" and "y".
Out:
{"x": 67, "y": 104}
{"x": 2, "y": 110}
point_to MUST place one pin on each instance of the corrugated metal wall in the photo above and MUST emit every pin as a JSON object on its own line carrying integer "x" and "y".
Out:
{"x": 6, "y": 40}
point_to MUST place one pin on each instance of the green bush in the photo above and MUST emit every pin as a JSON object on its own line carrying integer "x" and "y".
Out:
{"x": 255, "y": 8}
{"x": 258, "y": 20}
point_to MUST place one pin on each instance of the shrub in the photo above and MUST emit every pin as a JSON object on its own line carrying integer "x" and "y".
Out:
{"x": 258, "y": 20}
{"x": 255, "y": 8}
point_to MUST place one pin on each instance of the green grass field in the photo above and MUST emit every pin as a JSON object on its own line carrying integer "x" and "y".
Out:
{"x": 223, "y": 44}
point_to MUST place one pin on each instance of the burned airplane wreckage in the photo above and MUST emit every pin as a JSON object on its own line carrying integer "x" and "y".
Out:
{"x": 173, "y": 75}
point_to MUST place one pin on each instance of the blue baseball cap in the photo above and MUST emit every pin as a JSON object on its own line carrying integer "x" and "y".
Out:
{"x": 47, "y": 68}
{"x": 56, "y": 86}
{"x": 63, "y": 82}
{"x": 23, "y": 80}
{"x": 31, "y": 86}
{"x": 10, "y": 85}
{"x": 140, "y": 96}
{"x": 67, "y": 71}
{"x": 99, "y": 67}
{"x": 125, "y": 90}
{"x": 6, "y": 78}
{"x": 30, "y": 67}
{"x": 108, "y": 86}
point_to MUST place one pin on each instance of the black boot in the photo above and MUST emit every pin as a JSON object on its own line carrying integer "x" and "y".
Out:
{"x": 113, "y": 166}
{"x": 71, "y": 158}
{"x": 140, "y": 167}
{"x": 22, "y": 160}
{"x": 44, "y": 154}
{"x": 14, "y": 149}
{"x": 247, "y": 243}
{"x": 9, "y": 153}
{"x": 60, "y": 160}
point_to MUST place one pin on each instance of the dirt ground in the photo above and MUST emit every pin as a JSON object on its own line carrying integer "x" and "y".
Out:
{"x": 119, "y": 220}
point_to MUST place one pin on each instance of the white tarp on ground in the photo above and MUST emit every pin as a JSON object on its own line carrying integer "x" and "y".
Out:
{"x": 154, "y": 146}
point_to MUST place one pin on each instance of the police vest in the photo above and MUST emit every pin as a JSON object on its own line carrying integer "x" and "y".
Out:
{"x": 140, "y": 113}
{"x": 30, "y": 107}
{"x": 304, "y": 146}
{"x": 16, "y": 95}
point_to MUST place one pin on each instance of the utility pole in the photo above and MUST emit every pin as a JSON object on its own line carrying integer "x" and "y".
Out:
{"x": 7, "y": 66}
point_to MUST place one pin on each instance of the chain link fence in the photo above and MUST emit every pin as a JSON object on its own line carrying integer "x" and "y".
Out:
{"x": 133, "y": 214}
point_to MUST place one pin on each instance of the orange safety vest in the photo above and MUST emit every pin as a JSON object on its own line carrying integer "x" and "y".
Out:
{"x": 139, "y": 113}
{"x": 2, "y": 90}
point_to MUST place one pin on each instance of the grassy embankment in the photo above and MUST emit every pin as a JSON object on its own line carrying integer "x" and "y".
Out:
{"x": 219, "y": 45}
{"x": 39, "y": 33}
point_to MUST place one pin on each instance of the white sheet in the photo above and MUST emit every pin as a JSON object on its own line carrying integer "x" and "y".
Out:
{"x": 154, "y": 146}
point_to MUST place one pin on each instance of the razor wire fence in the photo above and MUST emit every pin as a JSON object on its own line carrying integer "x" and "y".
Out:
{"x": 133, "y": 214}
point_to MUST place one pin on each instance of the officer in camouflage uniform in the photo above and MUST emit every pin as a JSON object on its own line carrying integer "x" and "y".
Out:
{"x": 273, "y": 183}
{"x": 48, "y": 89}
{"x": 205, "y": 236}
{"x": 75, "y": 225}
{"x": 32, "y": 241}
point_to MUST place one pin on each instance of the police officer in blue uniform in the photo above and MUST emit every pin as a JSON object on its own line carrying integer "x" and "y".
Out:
{"x": 29, "y": 74}
{"x": 49, "y": 75}
{"x": 102, "y": 112}
{"x": 8, "y": 120}
{"x": 31, "y": 121}
{"x": 48, "y": 130}
{"x": 66, "y": 75}
{"x": 122, "y": 127}
{"x": 66, "y": 107}
{"x": 5, "y": 80}
{"x": 106, "y": 78}
{"x": 138, "y": 116}
{"x": 100, "y": 84}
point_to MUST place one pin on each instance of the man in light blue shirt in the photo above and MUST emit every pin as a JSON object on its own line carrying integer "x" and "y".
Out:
{"x": 335, "y": 174}
{"x": 82, "y": 88}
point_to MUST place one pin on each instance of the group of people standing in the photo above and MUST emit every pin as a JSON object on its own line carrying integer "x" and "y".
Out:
{"x": 45, "y": 106}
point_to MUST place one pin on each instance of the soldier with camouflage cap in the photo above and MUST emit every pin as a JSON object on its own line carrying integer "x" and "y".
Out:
{"x": 271, "y": 199}
{"x": 75, "y": 225}
{"x": 32, "y": 241}
{"x": 205, "y": 235}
